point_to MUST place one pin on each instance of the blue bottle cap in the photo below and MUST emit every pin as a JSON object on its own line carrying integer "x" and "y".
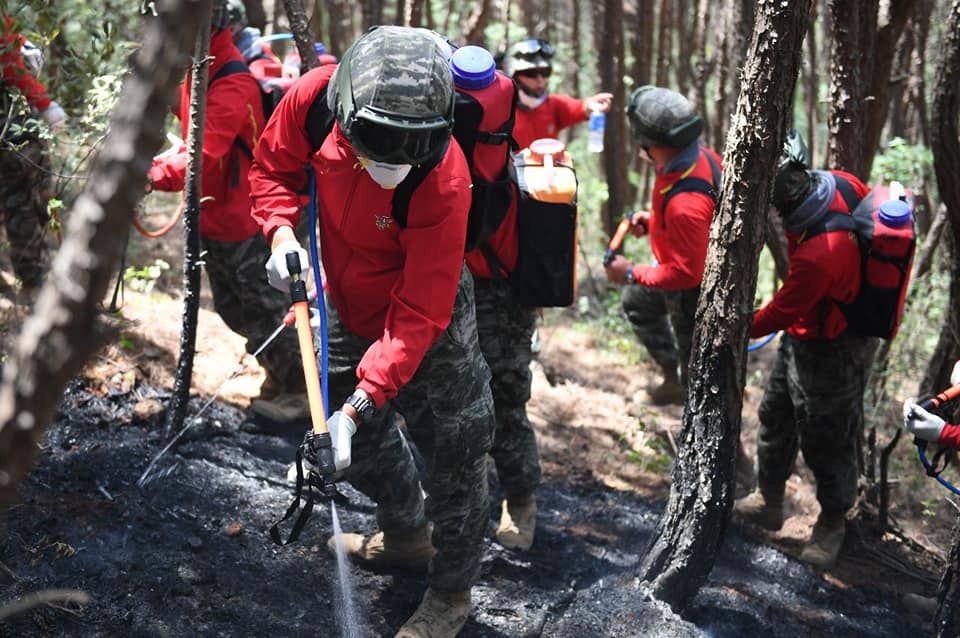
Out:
{"x": 319, "y": 48}
{"x": 894, "y": 213}
{"x": 473, "y": 68}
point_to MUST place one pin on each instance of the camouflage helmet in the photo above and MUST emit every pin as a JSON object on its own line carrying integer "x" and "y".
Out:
{"x": 393, "y": 95}
{"x": 661, "y": 117}
{"x": 794, "y": 180}
{"x": 525, "y": 55}
{"x": 220, "y": 16}
{"x": 236, "y": 13}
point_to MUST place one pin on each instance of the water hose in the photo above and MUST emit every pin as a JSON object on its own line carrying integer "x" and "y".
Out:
{"x": 949, "y": 394}
{"x": 321, "y": 304}
{"x": 764, "y": 341}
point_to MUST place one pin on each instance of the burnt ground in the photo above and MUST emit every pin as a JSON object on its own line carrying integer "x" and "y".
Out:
{"x": 188, "y": 554}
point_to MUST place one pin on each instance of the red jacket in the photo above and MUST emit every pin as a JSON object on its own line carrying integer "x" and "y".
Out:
{"x": 387, "y": 283}
{"x": 679, "y": 239}
{"x": 823, "y": 270}
{"x": 547, "y": 120}
{"x": 234, "y": 110}
{"x": 950, "y": 436}
{"x": 14, "y": 72}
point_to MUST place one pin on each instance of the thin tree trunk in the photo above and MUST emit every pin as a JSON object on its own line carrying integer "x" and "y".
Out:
{"x": 664, "y": 42}
{"x": 812, "y": 94}
{"x": 687, "y": 541}
{"x": 64, "y": 329}
{"x": 301, "y": 33}
{"x": 475, "y": 24}
{"x": 256, "y": 16}
{"x": 615, "y": 158}
{"x": 315, "y": 26}
{"x": 177, "y": 408}
{"x": 847, "y": 111}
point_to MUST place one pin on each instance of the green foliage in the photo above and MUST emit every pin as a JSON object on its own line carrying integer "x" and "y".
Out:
{"x": 910, "y": 164}
{"x": 144, "y": 279}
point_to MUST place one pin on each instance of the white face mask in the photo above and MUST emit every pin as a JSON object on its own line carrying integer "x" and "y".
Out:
{"x": 530, "y": 102}
{"x": 387, "y": 176}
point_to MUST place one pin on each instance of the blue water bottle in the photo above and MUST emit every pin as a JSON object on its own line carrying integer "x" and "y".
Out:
{"x": 598, "y": 122}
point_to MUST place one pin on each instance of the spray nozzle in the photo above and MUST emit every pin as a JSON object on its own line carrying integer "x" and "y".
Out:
{"x": 317, "y": 449}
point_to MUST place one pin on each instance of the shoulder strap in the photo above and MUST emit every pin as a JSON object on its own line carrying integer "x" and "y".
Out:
{"x": 319, "y": 121}
{"x": 231, "y": 67}
{"x": 847, "y": 192}
{"x": 695, "y": 185}
{"x": 404, "y": 191}
{"x": 833, "y": 220}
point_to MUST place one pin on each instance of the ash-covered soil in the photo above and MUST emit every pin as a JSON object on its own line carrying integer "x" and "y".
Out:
{"x": 189, "y": 554}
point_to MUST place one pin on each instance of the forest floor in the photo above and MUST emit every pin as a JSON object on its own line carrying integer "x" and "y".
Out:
{"x": 188, "y": 553}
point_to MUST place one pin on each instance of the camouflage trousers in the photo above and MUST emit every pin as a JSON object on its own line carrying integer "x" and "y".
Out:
{"x": 448, "y": 410}
{"x": 663, "y": 320}
{"x": 24, "y": 191}
{"x": 814, "y": 402}
{"x": 252, "y": 308}
{"x": 504, "y": 328}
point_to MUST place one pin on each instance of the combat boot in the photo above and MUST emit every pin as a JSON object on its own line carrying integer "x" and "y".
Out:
{"x": 412, "y": 550}
{"x": 518, "y": 521}
{"x": 762, "y": 508}
{"x": 825, "y": 541}
{"x": 671, "y": 391}
{"x": 440, "y": 615}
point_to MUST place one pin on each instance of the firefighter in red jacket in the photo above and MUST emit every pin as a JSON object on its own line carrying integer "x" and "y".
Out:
{"x": 931, "y": 427}
{"x": 813, "y": 400}
{"x": 24, "y": 163}
{"x": 540, "y": 113}
{"x": 660, "y": 300}
{"x": 234, "y": 252}
{"x": 401, "y": 320}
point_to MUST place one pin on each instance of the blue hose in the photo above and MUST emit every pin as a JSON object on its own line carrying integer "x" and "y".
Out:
{"x": 921, "y": 452}
{"x": 756, "y": 346}
{"x": 321, "y": 304}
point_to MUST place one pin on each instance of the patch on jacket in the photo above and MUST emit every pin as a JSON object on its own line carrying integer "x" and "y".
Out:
{"x": 383, "y": 221}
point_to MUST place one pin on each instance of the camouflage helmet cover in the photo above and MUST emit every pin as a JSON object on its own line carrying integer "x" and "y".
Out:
{"x": 661, "y": 117}
{"x": 524, "y": 55}
{"x": 397, "y": 79}
{"x": 794, "y": 180}
{"x": 220, "y": 15}
{"x": 236, "y": 12}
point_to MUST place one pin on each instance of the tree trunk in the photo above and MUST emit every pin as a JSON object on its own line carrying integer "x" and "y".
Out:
{"x": 256, "y": 16}
{"x": 301, "y": 33}
{"x": 475, "y": 24}
{"x": 315, "y": 25}
{"x": 62, "y": 332}
{"x": 812, "y": 80}
{"x": 665, "y": 33}
{"x": 947, "y": 619}
{"x": 686, "y": 543}
{"x": 847, "y": 87}
{"x": 945, "y": 144}
{"x": 880, "y": 82}
{"x": 177, "y": 408}
{"x": 704, "y": 68}
{"x": 341, "y": 35}
{"x": 918, "y": 92}
{"x": 615, "y": 158}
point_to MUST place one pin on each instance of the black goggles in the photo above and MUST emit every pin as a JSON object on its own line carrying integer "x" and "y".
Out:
{"x": 532, "y": 73}
{"x": 531, "y": 49}
{"x": 382, "y": 143}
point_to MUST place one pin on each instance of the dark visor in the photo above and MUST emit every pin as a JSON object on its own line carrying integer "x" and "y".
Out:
{"x": 530, "y": 49}
{"x": 397, "y": 146}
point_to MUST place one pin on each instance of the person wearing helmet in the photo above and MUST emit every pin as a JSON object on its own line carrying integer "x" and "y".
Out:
{"x": 813, "y": 400}
{"x": 24, "y": 162}
{"x": 401, "y": 320}
{"x": 234, "y": 254}
{"x": 660, "y": 300}
{"x": 540, "y": 113}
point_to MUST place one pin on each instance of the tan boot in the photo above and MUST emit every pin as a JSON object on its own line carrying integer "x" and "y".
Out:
{"x": 825, "y": 541}
{"x": 518, "y": 522}
{"x": 440, "y": 615}
{"x": 282, "y": 408}
{"x": 762, "y": 509}
{"x": 671, "y": 391}
{"x": 380, "y": 551}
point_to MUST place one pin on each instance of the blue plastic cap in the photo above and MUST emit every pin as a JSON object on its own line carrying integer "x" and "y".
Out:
{"x": 473, "y": 68}
{"x": 894, "y": 213}
{"x": 319, "y": 48}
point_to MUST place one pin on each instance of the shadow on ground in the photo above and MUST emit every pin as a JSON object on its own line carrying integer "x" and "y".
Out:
{"x": 188, "y": 554}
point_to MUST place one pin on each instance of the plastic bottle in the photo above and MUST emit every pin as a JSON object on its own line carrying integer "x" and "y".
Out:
{"x": 473, "y": 68}
{"x": 598, "y": 122}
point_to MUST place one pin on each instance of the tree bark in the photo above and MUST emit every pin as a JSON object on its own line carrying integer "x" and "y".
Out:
{"x": 475, "y": 24}
{"x": 256, "y": 16}
{"x": 847, "y": 87}
{"x": 812, "y": 76}
{"x": 947, "y": 618}
{"x": 180, "y": 397}
{"x": 615, "y": 157}
{"x": 301, "y": 33}
{"x": 687, "y": 541}
{"x": 61, "y": 333}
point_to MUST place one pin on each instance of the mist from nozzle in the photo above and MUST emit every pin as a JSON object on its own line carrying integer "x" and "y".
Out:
{"x": 345, "y": 605}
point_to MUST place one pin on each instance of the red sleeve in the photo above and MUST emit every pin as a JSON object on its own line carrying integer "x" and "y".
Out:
{"x": 422, "y": 300}
{"x": 277, "y": 172}
{"x": 806, "y": 285}
{"x": 227, "y": 112}
{"x": 568, "y": 111}
{"x": 689, "y": 234}
{"x": 950, "y": 436}
{"x": 14, "y": 71}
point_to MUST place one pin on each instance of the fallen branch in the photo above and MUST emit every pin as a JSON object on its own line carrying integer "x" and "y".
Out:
{"x": 51, "y": 597}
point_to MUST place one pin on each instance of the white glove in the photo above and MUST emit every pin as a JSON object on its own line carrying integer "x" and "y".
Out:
{"x": 277, "y": 273}
{"x": 342, "y": 428}
{"x": 56, "y": 117}
{"x": 955, "y": 374}
{"x": 921, "y": 423}
{"x": 32, "y": 57}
